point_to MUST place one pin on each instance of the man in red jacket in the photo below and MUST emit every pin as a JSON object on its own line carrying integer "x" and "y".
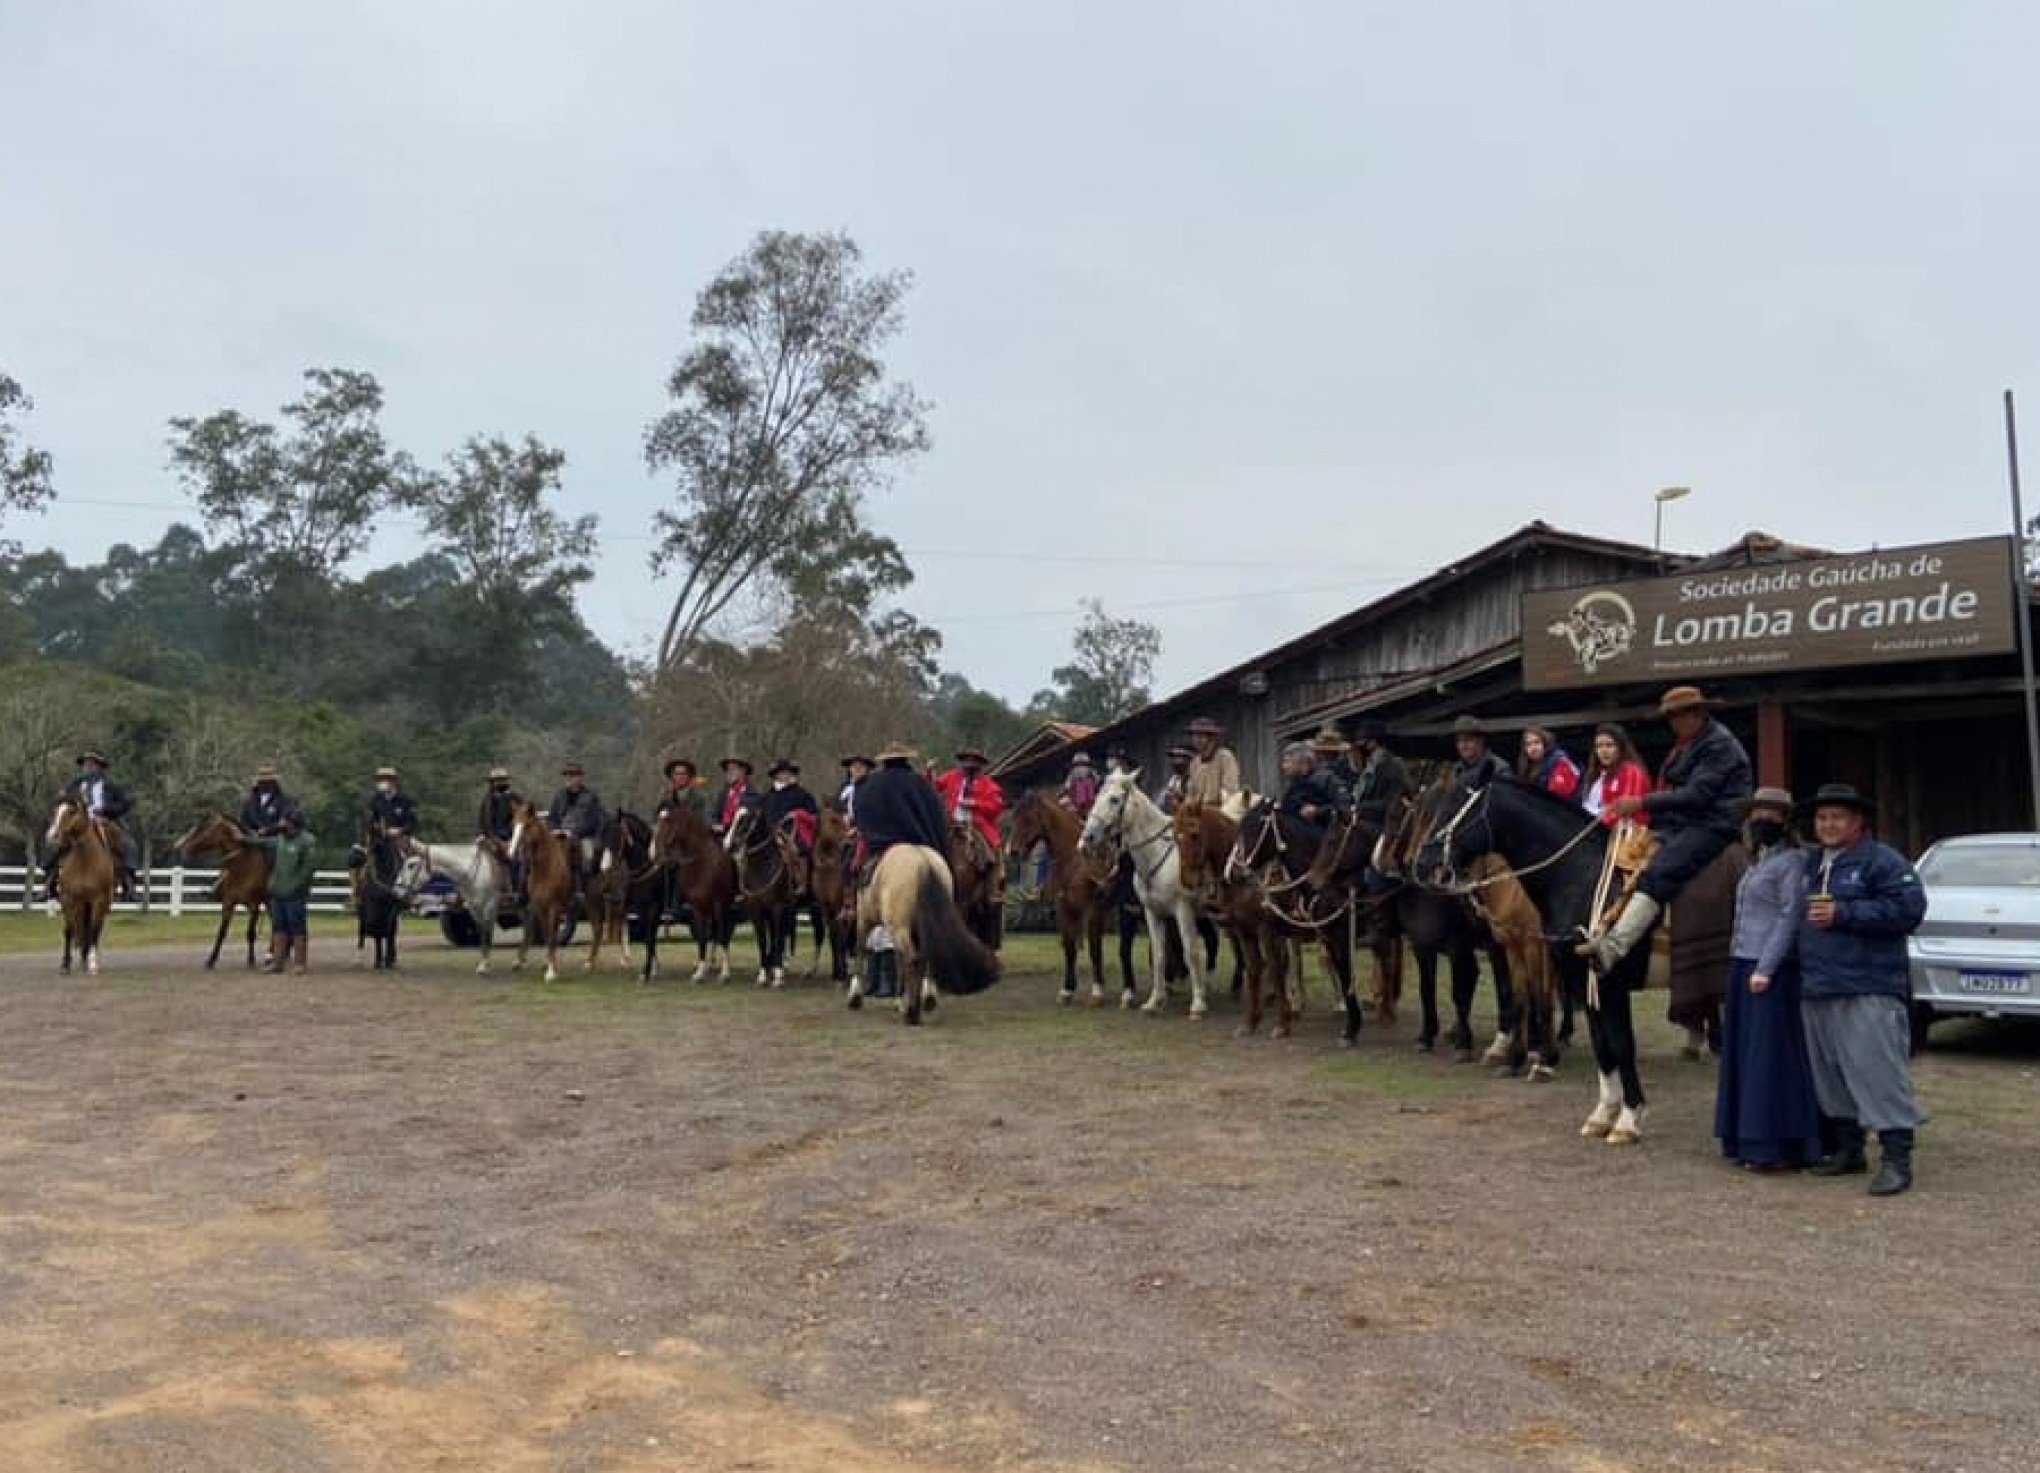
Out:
{"x": 969, "y": 797}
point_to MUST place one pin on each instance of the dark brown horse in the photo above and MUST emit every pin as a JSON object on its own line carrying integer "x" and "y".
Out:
{"x": 833, "y": 895}
{"x": 244, "y": 875}
{"x": 704, "y": 880}
{"x": 627, "y": 882}
{"x": 1204, "y": 842}
{"x": 1342, "y": 865}
{"x": 973, "y": 862}
{"x": 1079, "y": 888}
{"x": 771, "y": 879}
{"x": 87, "y": 883}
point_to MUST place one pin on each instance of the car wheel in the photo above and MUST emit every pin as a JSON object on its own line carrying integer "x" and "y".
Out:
{"x": 459, "y": 928}
{"x": 1922, "y": 1019}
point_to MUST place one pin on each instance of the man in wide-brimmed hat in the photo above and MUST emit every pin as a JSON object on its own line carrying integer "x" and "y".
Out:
{"x": 1864, "y": 899}
{"x": 1382, "y": 779}
{"x": 496, "y": 814}
{"x": 263, "y": 809}
{"x": 576, "y": 811}
{"x": 1696, "y": 812}
{"x": 791, "y": 806}
{"x": 1177, "y": 788}
{"x": 1475, "y": 765}
{"x": 1335, "y": 760}
{"x": 99, "y": 795}
{"x": 736, "y": 775}
{"x": 1214, "y": 771}
{"x": 390, "y": 810}
{"x": 856, "y": 768}
{"x": 683, "y": 789}
{"x": 975, "y": 799}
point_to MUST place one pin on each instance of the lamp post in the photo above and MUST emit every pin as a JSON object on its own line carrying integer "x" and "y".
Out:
{"x": 1669, "y": 493}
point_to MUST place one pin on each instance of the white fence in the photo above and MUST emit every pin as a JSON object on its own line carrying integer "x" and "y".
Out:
{"x": 169, "y": 891}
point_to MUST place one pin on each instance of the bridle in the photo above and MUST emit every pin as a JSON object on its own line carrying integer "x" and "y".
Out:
{"x": 1477, "y": 799}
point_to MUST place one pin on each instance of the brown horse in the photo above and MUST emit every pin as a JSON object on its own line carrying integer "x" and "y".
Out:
{"x": 1080, "y": 890}
{"x": 1204, "y": 842}
{"x": 244, "y": 875}
{"x": 548, "y": 883}
{"x": 86, "y": 888}
{"x": 1342, "y": 864}
{"x": 834, "y": 898}
{"x": 626, "y": 882}
{"x": 704, "y": 879}
{"x": 972, "y": 862}
{"x": 909, "y": 894}
{"x": 1499, "y": 899}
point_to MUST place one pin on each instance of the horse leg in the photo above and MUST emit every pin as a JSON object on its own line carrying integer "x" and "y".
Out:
{"x": 64, "y": 966}
{"x": 1094, "y": 943}
{"x": 1257, "y": 981}
{"x": 98, "y": 922}
{"x": 1129, "y": 926}
{"x": 1465, "y": 980}
{"x": 913, "y": 974}
{"x": 1158, "y": 951}
{"x": 1193, "y": 958}
{"x": 1066, "y": 924}
{"x": 227, "y": 920}
{"x": 1339, "y": 952}
{"x": 1617, "y": 1018}
{"x": 1427, "y": 996}
{"x": 1500, "y": 964}
{"x": 254, "y": 924}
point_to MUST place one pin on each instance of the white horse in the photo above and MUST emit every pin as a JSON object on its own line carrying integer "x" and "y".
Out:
{"x": 472, "y": 868}
{"x": 1123, "y": 814}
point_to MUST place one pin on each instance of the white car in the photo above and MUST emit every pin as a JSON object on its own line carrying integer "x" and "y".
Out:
{"x": 1978, "y": 950}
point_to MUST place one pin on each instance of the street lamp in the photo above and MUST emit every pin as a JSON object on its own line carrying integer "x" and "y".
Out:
{"x": 1669, "y": 493}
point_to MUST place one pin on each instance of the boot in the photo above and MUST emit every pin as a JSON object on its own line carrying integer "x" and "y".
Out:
{"x": 277, "y": 946}
{"x": 1846, "y": 1159}
{"x": 126, "y": 879}
{"x": 301, "y": 948}
{"x": 885, "y": 974}
{"x": 1608, "y": 948}
{"x": 1894, "y": 1169}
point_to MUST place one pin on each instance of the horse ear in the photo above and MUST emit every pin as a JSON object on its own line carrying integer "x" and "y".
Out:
{"x": 1133, "y": 775}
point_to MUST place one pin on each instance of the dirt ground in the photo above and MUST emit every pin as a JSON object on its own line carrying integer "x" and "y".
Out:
{"x": 438, "y": 1221}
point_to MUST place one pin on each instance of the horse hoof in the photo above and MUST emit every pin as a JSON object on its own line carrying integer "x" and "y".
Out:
{"x": 1196, "y": 1014}
{"x": 1348, "y": 1043}
{"x": 1152, "y": 1009}
{"x": 1127, "y": 1000}
{"x": 856, "y": 1001}
{"x": 1245, "y": 1030}
{"x": 1426, "y": 1045}
{"x": 1623, "y": 1136}
{"x": 1280, "y": 1030}
{"x": 1066, "y": 996}
{"x": 1595, "y": 1127}
{"x": 1541, "y": 1074}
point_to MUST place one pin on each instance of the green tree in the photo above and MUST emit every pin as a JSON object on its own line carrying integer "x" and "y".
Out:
{"x": 784, "y": 419}
{"x": 491, "y": 514}
{"x": 1114, "y": 659}
{"x": 27, "y": 479}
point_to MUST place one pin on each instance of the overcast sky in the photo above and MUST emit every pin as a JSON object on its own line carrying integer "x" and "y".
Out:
{"x": 1234, "y": 315}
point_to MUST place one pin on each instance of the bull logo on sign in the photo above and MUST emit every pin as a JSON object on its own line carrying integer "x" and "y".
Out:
{"x": 1599, "y": 628}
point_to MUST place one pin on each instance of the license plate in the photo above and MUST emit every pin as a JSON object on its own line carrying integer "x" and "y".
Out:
{"x": 1997, "y": 982}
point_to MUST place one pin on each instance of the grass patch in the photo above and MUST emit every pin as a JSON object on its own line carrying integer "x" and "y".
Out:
{"x": 27, "y": 932}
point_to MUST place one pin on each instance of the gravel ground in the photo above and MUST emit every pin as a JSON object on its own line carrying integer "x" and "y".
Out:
{"x": 435, "y": 1221}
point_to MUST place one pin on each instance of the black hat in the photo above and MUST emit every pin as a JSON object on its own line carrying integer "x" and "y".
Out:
{"x": 743, "y": 762}
{"x": 1177, "y": 749}
{"x": 573, "y": 769}
{"x": 784, "y": 764}
{"x": 675, "y": 765}
{"x": 1841, "y": 795}
{"x": 854, "y": 758}
{"x": 968, "y": 753}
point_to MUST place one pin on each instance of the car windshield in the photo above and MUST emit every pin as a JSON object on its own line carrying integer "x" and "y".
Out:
{"x": 1985, "y": 865}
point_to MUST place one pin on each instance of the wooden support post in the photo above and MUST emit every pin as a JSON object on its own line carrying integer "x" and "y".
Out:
{"x": 1774, "y": 746}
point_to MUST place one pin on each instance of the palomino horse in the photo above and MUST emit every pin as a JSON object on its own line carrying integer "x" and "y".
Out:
{"x": 86, "y": 889}
{"x": 1443, "y": 925}
{"x": 1204, "y": 841}
{"x": 548, "y": 883}
{"x": 1123, "y": 815}
{"x": 627, "y": 882}
{"x": 703, "y": 879}
{"x": 909, "y": 895}
{"x": 244, "y": 875}
{"x": 830, "y": 891}
{"x": 1277, "y": 850}
{"x": 1556, "y": 851}
{"x": 1081, "y": 890}
{"x": 772, "y": 878}
{"x": 478, "y": 877}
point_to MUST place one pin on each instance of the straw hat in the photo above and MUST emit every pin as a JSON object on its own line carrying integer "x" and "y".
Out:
{"x": 1683, "y": 698}
{"x": 897, "y": 752}
{"x": 1776, "y": 799}
{"x": 386, "y": 772}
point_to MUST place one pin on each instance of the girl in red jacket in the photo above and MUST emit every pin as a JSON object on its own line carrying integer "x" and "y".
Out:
{"x": 1615, "y": 771}
{"x": 1544, "y": 764}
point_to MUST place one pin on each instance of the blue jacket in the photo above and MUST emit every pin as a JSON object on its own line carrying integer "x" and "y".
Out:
{"x": 1878, "y": 903}
{"x": 1706, "y": 785}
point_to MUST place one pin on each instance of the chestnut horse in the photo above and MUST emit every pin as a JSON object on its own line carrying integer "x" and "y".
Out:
{"x": 244, "y": 875}
{"x": 1277, "y": 850}
{"x": 909, "y": 894}
{"x": 1080, "y": 890}
{"x": 833, "y": 897}
{"x": 1204, "y": 840}
{"x": 548, "y": 883}
{"x": 704, "y": 879}
{"x": 971, "y": 860}
{"x": 86, "y": 885}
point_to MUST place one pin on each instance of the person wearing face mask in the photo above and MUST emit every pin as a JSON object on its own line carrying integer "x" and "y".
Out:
{"x": 390, "y": 809}
{"x": 495, "y": 824}
{"x": 1765, "y": 1113}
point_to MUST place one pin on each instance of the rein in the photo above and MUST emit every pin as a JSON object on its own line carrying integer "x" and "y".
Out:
{"x": 1507, "y": 872}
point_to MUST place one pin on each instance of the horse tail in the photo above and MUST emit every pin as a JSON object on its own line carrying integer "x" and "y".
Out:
{"x": 955, "y": 958}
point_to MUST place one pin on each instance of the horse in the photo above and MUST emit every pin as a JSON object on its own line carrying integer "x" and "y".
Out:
{"x": 1280, "y": 849}
{"x": 627, "y": 882}
{"x": 387, "y": 873}
{"x": 1344, "y": 861}
{"x": 548, "y": 883}
{"x": 1557, "y": 851}
{"x": 478, "y": 877}
{"x": 244, "y": 875}
{"x": 770, "y": 875}
{"x": 1205, "y": 838}
{"x": 1122, "y": 814}
{"x": 1081, "y": 891}
{"x": 1442, "y": 924}
{"x": 909, "y": 894}
{"x": 704, "y": 878}
{"x": 89, "y": 877}
{"x": 830, "y": 891}
{"x": 971, "y": 862}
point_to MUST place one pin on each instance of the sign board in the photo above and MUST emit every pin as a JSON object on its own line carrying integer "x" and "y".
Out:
{"x": 1947, "y": 601}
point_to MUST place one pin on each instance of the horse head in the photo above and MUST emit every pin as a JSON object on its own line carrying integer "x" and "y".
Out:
{"x": 523, "y": 819}
{"x": 213, "y": 834}
{"x": 1107, "y": 821}
{"x": 1454, "y": 828}
{"x": 1202, "y": 835}
{"x": 68, "y": 820}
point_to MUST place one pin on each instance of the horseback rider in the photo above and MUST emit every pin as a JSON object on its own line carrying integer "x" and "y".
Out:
{"x": 1214, "y": 771}
{"x": 895, "y": 805}
{"x": 576, "y": 812}
{"x": 791, "y": 808}
{"x": 1079, "y": 786}
{"x": 736, "y": 772}
{"x": 390, "y": 811}
{"x": 1696, "y": 812}
{"x": 496, "y": 825}
{"x": 977, "y": 802}
{"x": 1335, "y": 765}
{"x": 1381, "y": 779}
{"x": 683, "y": 790}
{"x": 266, "y": 806}
{"x": 1545, "y": 764}
{"x": 1309, "y": 794}
{"x": 1476, "y": 766}
{"x": 108, "y": 802}
{"x": 856, "y": 769}
{"x": 1177, "y": 788}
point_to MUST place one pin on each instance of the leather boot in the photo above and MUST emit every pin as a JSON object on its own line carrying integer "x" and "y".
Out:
{"x": 301, "y": 947}
{"x": 277, "y": 946}
{"x": 1894, "y": 1168}
{"x": 1639, "y": 913}
{"x": 1847, "y": 1157}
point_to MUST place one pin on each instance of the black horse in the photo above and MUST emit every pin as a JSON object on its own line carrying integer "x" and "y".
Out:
{"x": 385, "y": 877}
{"x": 1269, "y": 837}
{"x": 627, "y": 896}
{"x": 1557, "y": 851}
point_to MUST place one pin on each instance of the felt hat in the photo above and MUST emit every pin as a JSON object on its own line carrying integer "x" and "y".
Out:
{"x": 573, "y": 769}
{"x": 972, "y": 754}
{"x": 1205, "y": 726}
{"x": 1468, "y": 726}
{"x": 854, "y": 759}
{"x": 784, "y": 764}
{"x": 1773, "y": 798}
{"x": 743, "y": 762}
{"x": 1841, "y": 795}
{"x": 1683, "y": 698}
{"x": 673, "y": 765}
{"x": 92, "y": 754}
{"x": 1370, "y": 729}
